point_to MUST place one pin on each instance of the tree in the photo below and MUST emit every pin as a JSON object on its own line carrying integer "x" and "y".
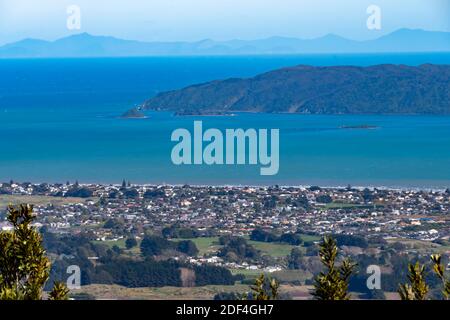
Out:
{"x": 59, "y": 292}
{"x": 187, "y": 247}
{"x": 291, "y": 238}
{"x": 324, "y": 198}
{"x": 439, "y": 270}
{"x": 130, "y": 243}
{"x": 237, "y": 249}
{"x": 24, "y": 268}
{"x": 153, "y": 246}
{"x": 294, "y": 260}
{"x": 332, "y": 285}
{"x": 116, "y": 249}
{"x": 418, "y": 288}
{"x": 367, "y": 195}
{"x": 265, "y": 288}
{"x": 351, "y": 240}
{"x": 150, "y": 194}
{"x": 78, "y": 192}
{"x": 259, "y": 234}
{"x": 131, "y": 193}
{"x": 109, "y": 224}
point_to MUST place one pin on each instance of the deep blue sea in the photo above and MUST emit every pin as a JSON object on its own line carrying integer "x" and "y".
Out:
{"x": 59, "y": 122}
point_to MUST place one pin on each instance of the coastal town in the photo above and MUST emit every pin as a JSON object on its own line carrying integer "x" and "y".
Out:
{"x": 234, "y": 210}
{"x": 242, "y": 230}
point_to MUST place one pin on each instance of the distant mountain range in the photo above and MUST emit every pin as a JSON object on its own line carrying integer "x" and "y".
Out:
{"x": 86, "y": 45}
{"x": 380, "y": 89}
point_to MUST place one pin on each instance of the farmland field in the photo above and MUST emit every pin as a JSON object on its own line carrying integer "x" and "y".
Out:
{"x": 210, "y": 245}
{"x": 100, "y": 291}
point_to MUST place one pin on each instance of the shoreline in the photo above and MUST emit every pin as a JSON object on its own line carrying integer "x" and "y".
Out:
{"x": 244, "y": 186}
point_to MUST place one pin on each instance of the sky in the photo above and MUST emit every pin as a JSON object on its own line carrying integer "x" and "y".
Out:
{"x": 193, "y": 20}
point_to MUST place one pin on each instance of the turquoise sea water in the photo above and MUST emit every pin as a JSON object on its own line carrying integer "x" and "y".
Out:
{"x": 59, "y": 121}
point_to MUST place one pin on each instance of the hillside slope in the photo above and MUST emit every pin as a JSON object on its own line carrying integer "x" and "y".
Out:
{"x": 390, "y": 89}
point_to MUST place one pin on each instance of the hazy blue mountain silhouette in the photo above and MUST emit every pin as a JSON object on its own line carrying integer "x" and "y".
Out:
{"x": 86, "y": 45}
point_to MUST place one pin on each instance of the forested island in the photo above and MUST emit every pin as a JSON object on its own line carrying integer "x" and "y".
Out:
{"x": 134, "y": 113}
{"x": 380, "y": 89}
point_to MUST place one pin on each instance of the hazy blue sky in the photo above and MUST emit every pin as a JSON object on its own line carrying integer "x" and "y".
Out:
{"x": 169, "y": 20}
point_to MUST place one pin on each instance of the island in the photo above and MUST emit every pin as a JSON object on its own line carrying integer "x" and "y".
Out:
{"x": 134, "y": 113}
{"x": 379, "y": 89}
{"x": 360, "y": 126}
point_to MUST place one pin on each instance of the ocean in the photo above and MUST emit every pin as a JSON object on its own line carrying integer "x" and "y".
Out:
{"x": 59, "y": 121}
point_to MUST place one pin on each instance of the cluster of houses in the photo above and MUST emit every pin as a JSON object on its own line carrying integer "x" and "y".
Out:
{"x": 388, "y": 213}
